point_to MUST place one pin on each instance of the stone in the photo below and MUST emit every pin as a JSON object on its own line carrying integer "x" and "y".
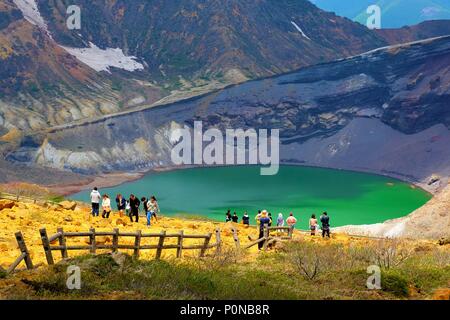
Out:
{"x": 6, "y": 204}
{"x": 68, "y": 218}
{"x": 121, "y": 222}
{"x": 120, "y": 258}
{"x": 68, "y": 205}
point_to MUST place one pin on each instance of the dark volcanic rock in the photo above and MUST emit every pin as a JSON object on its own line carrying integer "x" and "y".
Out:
{"x": 383, "y": 111}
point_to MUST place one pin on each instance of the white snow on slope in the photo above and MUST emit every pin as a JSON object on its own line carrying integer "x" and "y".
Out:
{"x": 300, "y": 30}
{"x": 31, "y": 13}
{"x": 391, "y": 229}
{"x": 102, "y": 59}
{"x": 94, "y": 57}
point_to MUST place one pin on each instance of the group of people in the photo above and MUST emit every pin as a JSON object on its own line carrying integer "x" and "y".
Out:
{"x": 263, "y": 217}
{"x": 151, "y": 210}
{"x": 129, "y": 206}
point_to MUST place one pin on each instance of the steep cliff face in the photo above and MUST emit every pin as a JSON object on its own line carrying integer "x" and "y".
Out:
{"x": 385, "y": 111}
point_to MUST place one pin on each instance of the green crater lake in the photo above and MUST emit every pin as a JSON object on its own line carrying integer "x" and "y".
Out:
{"x": 348, "y": 197}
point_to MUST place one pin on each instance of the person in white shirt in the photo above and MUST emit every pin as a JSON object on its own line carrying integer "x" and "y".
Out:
{"x": 95, "y": 201}
{"x": 106, "y": 206}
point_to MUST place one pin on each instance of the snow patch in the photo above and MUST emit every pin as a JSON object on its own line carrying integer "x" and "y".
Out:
{"x": 300, "y": 30}
{"x": 102, "y": 59}
{"x": 31, "y": 13}
{"x": 383, "y": 230}
{"x": 396, "y": 230}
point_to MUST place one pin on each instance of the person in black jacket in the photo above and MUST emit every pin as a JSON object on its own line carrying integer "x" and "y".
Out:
{"x": 325, "y": 220}
{"x": 246, "y": 218}
{"x": 134, "y": 207}
{"x": 121, "y": 204}
{"x": 228, "y": 216}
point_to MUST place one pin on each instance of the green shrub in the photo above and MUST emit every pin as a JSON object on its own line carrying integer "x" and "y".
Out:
{"x": 3, "y": 273}
{"x": 394, "y": 283}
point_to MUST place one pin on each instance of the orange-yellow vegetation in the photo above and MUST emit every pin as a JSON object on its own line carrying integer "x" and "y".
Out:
{"x": 30, "y": 217}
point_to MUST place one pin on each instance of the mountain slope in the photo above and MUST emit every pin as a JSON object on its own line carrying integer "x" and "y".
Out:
{"x": 131, "y": 55}
{"x": 41, "y": 84}
{"x": 210, "y": 38}
{"x": 365, "y": 113}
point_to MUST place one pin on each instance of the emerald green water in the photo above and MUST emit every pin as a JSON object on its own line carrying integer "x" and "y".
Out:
{"x": 348, "y": 197}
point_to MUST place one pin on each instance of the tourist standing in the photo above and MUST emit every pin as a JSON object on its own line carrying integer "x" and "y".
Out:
{"x": 95, "y": 202}
{"x": 134, "y": 207}
{"x": 325, "y": 220}
{"x": 313, "y": 225}
{"x": 280, "y": 220}
{"x": 144, "y": 205}
{"x": 153, "y": 210}
{"x": 106, "y": 206}
{"x": 121, "y": 204}
{"x": 263, "y": 220}
{"x": 258, "y": 216}
{"x": 127, "y": 208}
{"x": 246, "y": 219}
{"x": 228, "y": 216}
{"x": 235, "y": 217}
{"x": 291, "y": 220}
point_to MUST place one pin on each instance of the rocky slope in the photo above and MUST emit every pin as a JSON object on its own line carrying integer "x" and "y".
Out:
{"x": 130, "y": 54}
{"x": 41, "y": 84}
{"x": 384, "y": 111}
{"x": 30, "y": 217}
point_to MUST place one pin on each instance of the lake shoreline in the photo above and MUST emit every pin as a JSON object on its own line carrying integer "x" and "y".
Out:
{"x": 118, "y": 178}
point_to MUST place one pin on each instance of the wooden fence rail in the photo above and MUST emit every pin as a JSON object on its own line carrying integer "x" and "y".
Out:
{"x": 282, "y": 233}
{"x": 93, "y": 245}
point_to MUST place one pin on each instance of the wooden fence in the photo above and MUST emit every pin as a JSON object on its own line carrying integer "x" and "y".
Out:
{"x": 49, "y": 245}
{"x": 61, "y": 236}
{"x": 282, "y": 233}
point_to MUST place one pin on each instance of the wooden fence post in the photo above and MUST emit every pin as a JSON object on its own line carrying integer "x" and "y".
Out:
{"x": 162, "y": 237}
{"x": 137, "y": 243}
{"x": 92, "y": 240}
{"x": 180, "y": 244}
{"x": 218, "y": 242}
{"x": 23, "y": 248}
{"x": 62, "y": 243}
{"x": 115, "y": 242}
{"x": 46, "y": 245}
{"x": 236, "y": 239}
{"x": 205, "y": 245}
{"x": 266, "y": 236}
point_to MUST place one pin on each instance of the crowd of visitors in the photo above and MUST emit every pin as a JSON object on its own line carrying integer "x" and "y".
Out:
{"x": 130, "y": 206}
{"x": 263, "y": 217}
